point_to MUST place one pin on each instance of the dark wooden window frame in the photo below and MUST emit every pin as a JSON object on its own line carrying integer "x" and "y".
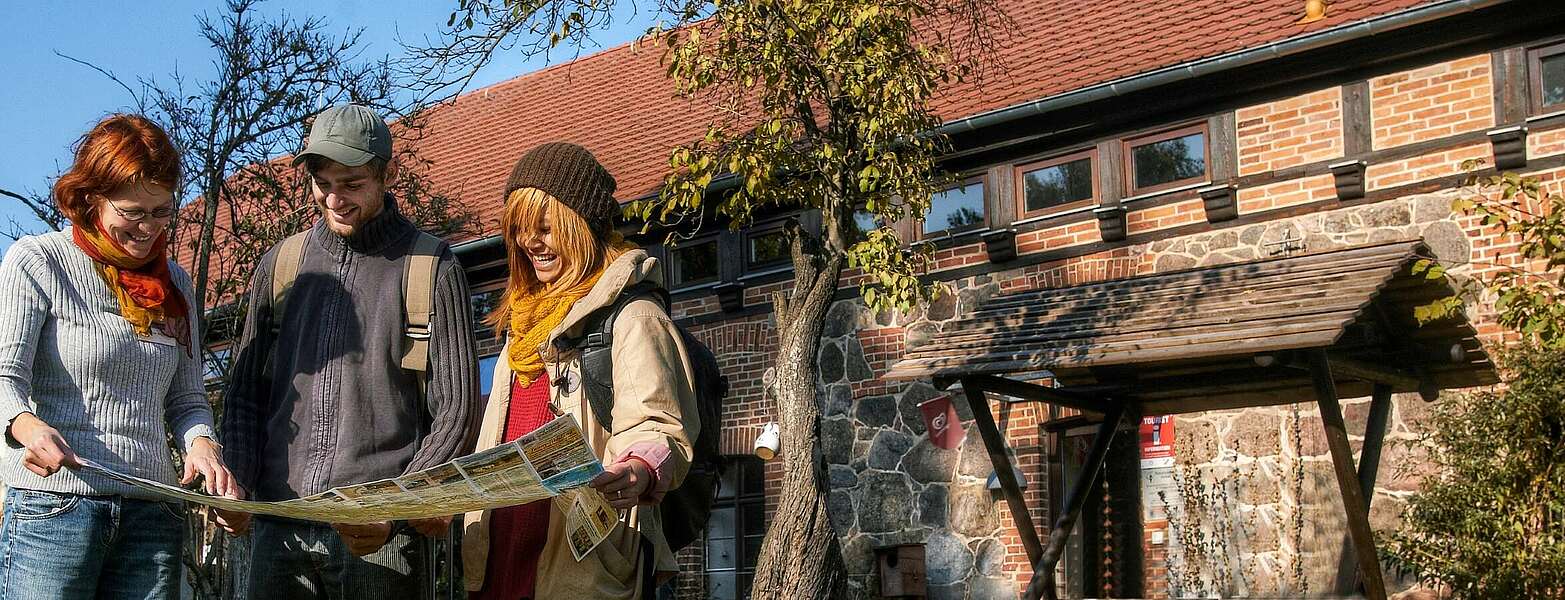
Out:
{"x": 673, "y": 268}
{"x": 918, "y": 223}
{"x": 1019, "y": 175}
{"x": 743, "y": 502}
{"x": 1130, "y": 144}
{"x": 755, "y": 231}
{"x": 1535, "y": 56}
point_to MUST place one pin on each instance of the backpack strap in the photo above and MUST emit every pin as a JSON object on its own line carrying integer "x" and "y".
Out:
{"x": 418, "y": 299}
{"x": 285, "y": 269}
{"x": 596, "y": 346}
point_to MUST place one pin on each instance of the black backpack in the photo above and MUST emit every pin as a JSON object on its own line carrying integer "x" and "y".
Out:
{"x": 685, "y": 509}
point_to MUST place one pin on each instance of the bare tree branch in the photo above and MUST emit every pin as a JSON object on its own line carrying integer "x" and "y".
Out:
{"x": 140, "y": 98}
{"x": 41, "y": 207}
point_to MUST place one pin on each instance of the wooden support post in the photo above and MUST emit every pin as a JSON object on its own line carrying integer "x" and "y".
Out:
{"x": 995, "y": 444}
{"x": 1369, "y": 465}
{"x": 1347, "y": 476}
{"x": 1042, "y": 583}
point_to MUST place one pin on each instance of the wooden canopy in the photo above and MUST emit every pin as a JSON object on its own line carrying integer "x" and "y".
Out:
{"x": 1315, "y": 327}
{"x": 1221, "y": 336}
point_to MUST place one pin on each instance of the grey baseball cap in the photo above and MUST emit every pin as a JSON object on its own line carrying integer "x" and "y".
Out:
{"x": 349, "y": 134}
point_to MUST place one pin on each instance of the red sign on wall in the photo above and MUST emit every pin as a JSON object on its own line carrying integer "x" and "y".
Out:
{"x": 940, "y": 419}
{"x": 1157, "y": 468}
{"x": 1157, "y": 438}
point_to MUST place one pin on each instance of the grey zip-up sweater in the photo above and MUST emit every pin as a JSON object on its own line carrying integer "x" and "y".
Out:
{"x": 338, "y": 408}
{"x": 68, "y": 356}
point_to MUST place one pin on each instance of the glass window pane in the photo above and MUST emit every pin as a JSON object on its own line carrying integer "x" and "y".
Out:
{"x": 484, "y": 303}
{"x": 1170, "y": 160}
{"x": 695, "y": 263}
{"x": 768, "y": 248}
{"x": 216, "y": 363}
{"x": 486, "y": 373}
{"x": 722, "y": 586}
{"x": 720, "y": 555}
{"x": 957, "y": 208}
{"x": 721, "y": 523}
{"x": 1552, "y": 74}
{"x": 729, "y": 484}
{"x": 866, "y": 220}
{"x": 754, "y": 474}
{"x": 754, "y": 516}
{"x": 745, "y": 582}
{"x": 1059, "y": 184}
{"x": 752, "y": 550}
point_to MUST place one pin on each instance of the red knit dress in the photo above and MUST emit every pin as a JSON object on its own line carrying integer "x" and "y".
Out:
{"x": 517, "y": 533}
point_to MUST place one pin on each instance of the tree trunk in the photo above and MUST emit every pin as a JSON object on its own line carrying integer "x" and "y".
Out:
{"x": 801, "y": 557}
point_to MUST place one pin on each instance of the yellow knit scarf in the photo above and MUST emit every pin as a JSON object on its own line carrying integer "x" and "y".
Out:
{"x": 533, "y": 316}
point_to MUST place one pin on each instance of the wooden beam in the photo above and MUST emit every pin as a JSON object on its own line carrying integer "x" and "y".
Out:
{"x": 1042, "y": 583}
{"x": 1369, "y": 466}
{"x": 1032, "y": 391}
{"x": 1357, "y": 134}
{"x": 1358, "y": 369}
{"x": 1001, "y": 460}
{"x": 1347, "y": 476}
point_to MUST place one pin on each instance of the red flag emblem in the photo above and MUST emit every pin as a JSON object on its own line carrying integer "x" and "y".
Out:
{"x": 945, "y": 430}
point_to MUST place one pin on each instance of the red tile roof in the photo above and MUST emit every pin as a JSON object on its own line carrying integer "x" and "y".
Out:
{"x": 619, "y": 104}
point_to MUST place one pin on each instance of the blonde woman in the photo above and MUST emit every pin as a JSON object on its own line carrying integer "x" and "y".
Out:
{"x": 567, "y": 263}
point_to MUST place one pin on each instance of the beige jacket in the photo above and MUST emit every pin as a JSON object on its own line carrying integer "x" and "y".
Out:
{"x": 654, "y": 401}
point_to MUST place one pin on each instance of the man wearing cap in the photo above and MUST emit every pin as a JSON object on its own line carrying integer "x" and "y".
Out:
{"x": 318, "y": 397}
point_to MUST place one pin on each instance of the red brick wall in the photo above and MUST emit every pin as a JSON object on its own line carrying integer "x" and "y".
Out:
{"x": 1432, "y": 102}
{"x": 1145, "y": 220}
{"x": 1546, "y": 143}
{"x": 1286, "y": 133}
{"x": 1052, "y": 238}
{"x": 1024, "y": 432}
{"x": 1286, "y": 193}
{"x": 1428, "y": 166}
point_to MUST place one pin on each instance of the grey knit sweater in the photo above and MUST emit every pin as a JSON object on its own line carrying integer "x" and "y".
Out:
{"x": 67, "y": 356}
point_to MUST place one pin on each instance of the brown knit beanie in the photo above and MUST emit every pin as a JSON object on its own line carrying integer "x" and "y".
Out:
{"x": 573, "y": 176}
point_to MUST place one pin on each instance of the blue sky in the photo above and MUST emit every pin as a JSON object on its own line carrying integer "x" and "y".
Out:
{"x": 46, "y": 101}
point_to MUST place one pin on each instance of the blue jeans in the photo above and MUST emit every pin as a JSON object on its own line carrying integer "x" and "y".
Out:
{"x": 303, "y": 561}
{"x": 68, "y": 546}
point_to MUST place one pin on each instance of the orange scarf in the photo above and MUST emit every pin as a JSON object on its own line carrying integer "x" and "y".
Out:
{"x": 533, "y": 316}
{"x": 143, "y": 287}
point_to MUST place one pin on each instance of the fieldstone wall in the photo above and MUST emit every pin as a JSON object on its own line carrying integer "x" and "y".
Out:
{"x": 890, "y": 484}
{"x": 1259, "y": 512}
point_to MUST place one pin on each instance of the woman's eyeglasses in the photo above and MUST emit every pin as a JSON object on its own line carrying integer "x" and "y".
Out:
{"x": 136, "y": 215}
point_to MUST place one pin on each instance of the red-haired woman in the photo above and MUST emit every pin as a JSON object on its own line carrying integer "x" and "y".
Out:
{"x": 99, "y": 359}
